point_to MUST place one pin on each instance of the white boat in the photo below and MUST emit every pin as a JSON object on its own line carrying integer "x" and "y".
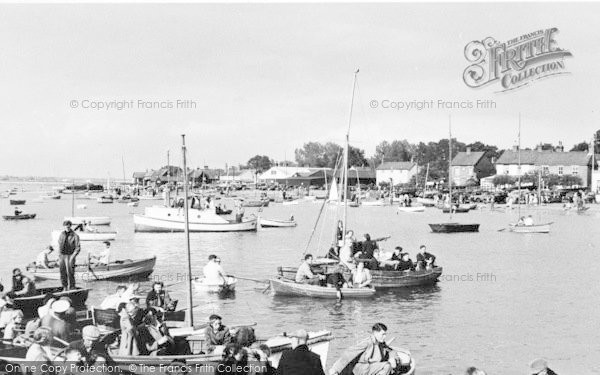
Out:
{"x": 412, "y": 209}
{"x": 104, "y": 199}
{"x": 376, "y": 203}
{"x": 115, "y": 270}
{"x": 426, "y": 201}
{"x": 133, "y": 204}
{"x": 310, "y": 198}
{"x": 150, "y": 197}
{"x": 87, "y": 236}
{"x": 268, "y": 223}
{"x": 201, "y": 284}
{"x": 50, "y": 196}
{"x": 166, "y": 219}
{"x": 540, "y": 228}
{"x": 92, "y": 220}
{"x": 289, "y": 203}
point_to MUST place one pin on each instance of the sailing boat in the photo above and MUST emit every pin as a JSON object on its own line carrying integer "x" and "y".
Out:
{"x": 521, "y": 227}
{"x": 452, "y": 227}
{"x": 92, "y": 220}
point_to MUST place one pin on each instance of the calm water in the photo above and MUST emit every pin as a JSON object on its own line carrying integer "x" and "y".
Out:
{"x": 504, "y": 298}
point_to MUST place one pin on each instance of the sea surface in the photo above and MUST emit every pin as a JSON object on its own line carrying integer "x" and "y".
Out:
{"x": 504, "y": 299}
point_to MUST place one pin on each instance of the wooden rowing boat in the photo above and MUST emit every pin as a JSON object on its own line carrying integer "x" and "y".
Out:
{"x": 121, "y": 269}
{"x": 282, "y": 287}
{"x": 92, "y": 220}
{"x": 456, "y": 210}
{"x": 201, "y": 284}
{"x": 29, "y": 305}
{"x": 19, "y": 217}
{"x": 17, "y": 202}
{"x": 540, "y": 228}
{"x": 453, "y": 228}
{"x": 380, "y": 278}
{"x": 269, "y": 223}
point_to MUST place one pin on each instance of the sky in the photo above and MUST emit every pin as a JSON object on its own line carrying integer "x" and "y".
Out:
{"x": 267, "y": 78}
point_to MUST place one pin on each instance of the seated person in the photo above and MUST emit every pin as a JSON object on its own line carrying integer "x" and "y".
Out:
{"x": 154, "y": 335}
{"x": 102, "y": 257}
{"x": 42, "y": 260}
{"x": 361, "y": 277}
{"x": 528, "y": 221}
{"x": 336, "y": 278}
{"x": 122, "y": 295}
{"x": 425, "y": 260}
{"x": 521, "y": 221}
{"x": 23, "y": 286}
{"x": 405, "y": 263}
{"x": 213, "y": 272}
{"x": 392, "y": 263}
{"x": 159, "y": 298}
{"x": 13, "y": 327}
{"x": 216, "y": 333}
{"x": 91, "y": 348}
{"x": 17, "y": 211}
{"x": 305, "y": 275}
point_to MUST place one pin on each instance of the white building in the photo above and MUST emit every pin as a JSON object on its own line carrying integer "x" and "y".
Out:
{"x": 279, "y": 173}
{"x": 399, "y": 172}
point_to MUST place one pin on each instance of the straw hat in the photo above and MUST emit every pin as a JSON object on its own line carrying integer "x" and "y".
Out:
{"x": 60, "y": 306}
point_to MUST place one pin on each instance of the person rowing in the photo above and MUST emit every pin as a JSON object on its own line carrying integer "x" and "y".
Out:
{"x": 213, "y": 272}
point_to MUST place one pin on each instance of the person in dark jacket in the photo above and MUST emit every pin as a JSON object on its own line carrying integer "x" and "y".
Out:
{"x": 159, "y": 298}
{"x": 68, "y": 248}
{"x": 425, "y": 260}
{"x": 300, "y": 360}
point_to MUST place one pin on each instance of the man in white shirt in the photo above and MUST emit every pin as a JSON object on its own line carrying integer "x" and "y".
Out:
{"x": 102, "y": 257}
{"x": 305, "y": 275}
{"x": 122, "y": 295}
{"x": 42, "y": 260}
{"x": 213, "y": 272}
{"x": 528, "y": 221}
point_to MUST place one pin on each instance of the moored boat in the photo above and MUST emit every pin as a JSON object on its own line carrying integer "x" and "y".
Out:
{"x": 17, "y": 202}
{"x": 165, "y": 219}
{"x": 427, "y": 202}
{"x": 412, "y": 209}
{"x": 92, "y": 220}
{"x": 256, "y": 203}
{"x": 539, "y": 228}
{"x": 453, "y": 228}
{"x": 269, "y": 223}
{"x": 455, "y": 210}
{"x": 29, "y": 305}
{"x": 201, "y": 284}
{"x": 105, "y": 199}
{"x": 114, "y": 270}
{"x": 282, "y": 287}
{"x": 50, "y": 196}
{"x": 88, "y": 236}
{"x": 290, "y": 202}
{"x": 19, "y": 217}
{"x": 376, "y": 203}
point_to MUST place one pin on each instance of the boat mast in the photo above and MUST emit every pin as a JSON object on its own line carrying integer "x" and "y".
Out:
{"x": 73, "y": 199}
{"x": 426, "y": 177}
{"x": 347, "y": 146}
{"x": 123, "y": 164}
{"x": 519, "y": 169}
{"x": 187, "y": 235}
{"x": 450, "y": 162}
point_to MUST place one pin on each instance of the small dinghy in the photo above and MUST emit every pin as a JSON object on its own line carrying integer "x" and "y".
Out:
{"x": 412, "y": 209}
{"x": 120, "y": 269}
{"x": 17, "y": 202}
{"x": 201, "y": 284}
{"x": 540, "y": 228}
{"x": 92, "y": 220}
{"x": 268, "y": 223}
{"x": 19, "y": 217}
{"x": 289, "y": 203}
{"x": 88, "y": 236}
{"x": 133, "y": 204}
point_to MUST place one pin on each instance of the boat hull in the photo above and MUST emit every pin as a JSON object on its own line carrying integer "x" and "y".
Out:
{"x": 412, "y": 209}
{"x": 261, "y": 203}
{"x": 29, "y": 305}
{"x": 88, "y": 236}
{"x": 266, "y": 223}
{"x": 123, "y": 270}
{"x": 541, "y": 228}
{"x": 19, "y": 217}
{"x": 145, "y": 223}
{"x": 93, "y": 220}
{"x": 17, "y": 202}
{"x": 453, "y": 228}
{"x": 457, "y": 210}
{"x": 202, "y": 285}
{"x": 289, "y": 288}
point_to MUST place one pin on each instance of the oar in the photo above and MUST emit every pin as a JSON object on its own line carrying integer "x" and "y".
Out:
{"x": 250, "y": 279}
{"x": 90, "y": 268}
{"x": 382, "y": 238}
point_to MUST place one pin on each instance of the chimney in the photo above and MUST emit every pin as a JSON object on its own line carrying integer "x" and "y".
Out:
{"x": 468, "y": 150}
{"x": 560, "y": 147}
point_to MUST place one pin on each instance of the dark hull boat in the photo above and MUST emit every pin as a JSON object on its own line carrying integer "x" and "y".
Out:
{"x": 19, "y": 217}
{"x": 457, "y": 210}
{"x": 30, "y": 304}
{"x": 17, "y": 202}
{"x": 453, "y": 228}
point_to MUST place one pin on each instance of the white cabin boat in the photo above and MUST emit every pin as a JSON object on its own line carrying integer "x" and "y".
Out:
{"x": 92, "y": 220}
{"x": 166, "y": 219}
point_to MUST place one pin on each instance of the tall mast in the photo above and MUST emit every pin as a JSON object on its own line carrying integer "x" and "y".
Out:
{"x": 519, "y": 169}
{"x": 347, "y": 146}
{"x": 73, "y": 199}
{"x": 450, "y": 162}
{"x": 187, "y": 235}
{"x": 123, "y": 164}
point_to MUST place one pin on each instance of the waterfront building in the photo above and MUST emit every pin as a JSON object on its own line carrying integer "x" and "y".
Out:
{"x": 399, "y": 172}
{"x": 471, "y": 166}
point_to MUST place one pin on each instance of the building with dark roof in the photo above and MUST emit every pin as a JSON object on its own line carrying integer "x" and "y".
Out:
{"x": 471, "y": 166}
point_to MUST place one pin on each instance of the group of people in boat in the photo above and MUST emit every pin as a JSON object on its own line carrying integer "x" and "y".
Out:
{"x": 526, "y": 221}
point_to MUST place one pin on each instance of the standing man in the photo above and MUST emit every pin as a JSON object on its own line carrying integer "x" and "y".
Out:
{"x": 371, "y": 356}
{"x": 68, "y": 247}
{"x": 299, "y": 360}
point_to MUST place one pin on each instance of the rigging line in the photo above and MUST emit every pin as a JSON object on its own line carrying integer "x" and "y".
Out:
{"x": 318, "y": 216}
